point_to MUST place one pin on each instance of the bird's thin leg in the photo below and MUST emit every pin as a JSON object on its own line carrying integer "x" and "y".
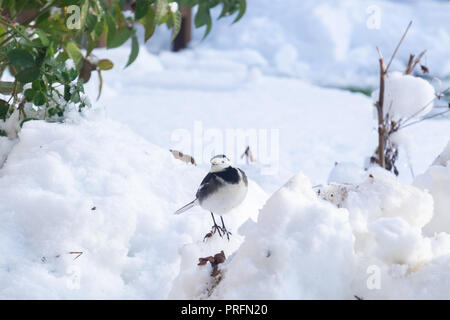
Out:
{"x": 215, "y": 226}
{"x": 224, "y": 229}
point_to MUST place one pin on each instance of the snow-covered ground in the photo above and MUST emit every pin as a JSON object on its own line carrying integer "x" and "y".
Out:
{"x": 333, "y": 42}
{"x": 93, "y": 186}
{"x": 105, "y": 184}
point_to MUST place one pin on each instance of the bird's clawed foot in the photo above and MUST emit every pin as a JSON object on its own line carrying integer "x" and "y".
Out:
{"x": 224, "y": 229}
{"x": 215, "y": 228}
{"x": 220, "y": 230}
{"x": 226, "y": 232}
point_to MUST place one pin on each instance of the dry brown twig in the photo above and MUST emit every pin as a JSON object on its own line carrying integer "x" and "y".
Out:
{"x": 413, "y": 63}
{"x": 385, "y": 126}
{"x": 248, "y": 154}
{"x": 78, "y": 253}
{"x": 183, "y": 157}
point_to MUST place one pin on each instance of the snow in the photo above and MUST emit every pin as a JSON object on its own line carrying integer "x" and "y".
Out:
{"x": 286, "y": 254}
{"x": 336, "y": 40}
{"x": 406, "y": 97}
{"x": 346, "y": 173}
{"x": 303, "y": 247}
{"x": 444, "y": 157}
{"x": 437, "y": 181}
{"x": 130, "y": 242}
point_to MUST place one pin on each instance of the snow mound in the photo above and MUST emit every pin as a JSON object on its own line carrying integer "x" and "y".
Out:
{"x": 444, "y": 157}
{"x": 406, "y": 96}
{"x": 303, "y": 247}
{"x": 286, "y": 254}
{"x": 437, "y": 181}
{"x": 5, "y": 147}
{"x": 92, "y": 186}
{"x": 381, "y": 195}
{"x": 346, "y": 172}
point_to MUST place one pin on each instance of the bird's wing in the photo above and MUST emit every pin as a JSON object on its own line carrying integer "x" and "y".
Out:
{"x": 209, "y": 185}
{"x": 244, "y": 177}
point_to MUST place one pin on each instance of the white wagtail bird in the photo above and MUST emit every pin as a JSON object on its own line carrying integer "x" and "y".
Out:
{"x": 223, "y": 189}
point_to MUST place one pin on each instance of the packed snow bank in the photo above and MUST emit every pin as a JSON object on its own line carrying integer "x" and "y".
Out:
{"x": 437, "y": 181}
{"x": 300, "y": 248}
{"x": 303, "y": 247}
{"x": 5, "y": 147}
{"x": 443, "y": 158}
{"x": 91, "y": 185}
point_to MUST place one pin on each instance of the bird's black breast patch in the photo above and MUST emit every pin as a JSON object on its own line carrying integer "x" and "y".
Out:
{"x": 230, "y": 175}
{"x": 215, "y": 180}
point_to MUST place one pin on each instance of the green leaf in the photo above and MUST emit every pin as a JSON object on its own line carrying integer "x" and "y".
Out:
{"x": 28, "y": 74}
{"x": 73, "y": 74}
{"x": 162, "y": 8}
{"x": 67, "y": 93}
{"x": 29, "y": 94}
{"x": 100, "y": 27}
{"x": 66, "y": 3}
{"x": 91, "y": 43}
{"x": 203, "y": 17}
{"x": 176, "y": 17}
{"x": 38, "y": 85}
{"x": 6, "y": 87}
{"x": 148, "y": 21}
{"x": 2, "y": 32}
{"x": 225, "y": 8}
{"x": 20, "y": 58}
{"x": 134, "y": 50}
{"x": 4, "y": 108}
{"x": 84, "y": 13}
{"x": 164, "y": 19}
{"x": 62, "y": 57}
{"x": 73, "y": 52}
{"x": 111, "y": 28}
{"x": 44, "y": 39}
{"x": 242, "y": 8}
{"x": 141, "y": 8}
{"x": 105, "y": 64}
{"x": 39, "y": 99}
{"x": 91, "y": 22}
{"x": 26, "y": 120}
{"x": 120, "y": 38}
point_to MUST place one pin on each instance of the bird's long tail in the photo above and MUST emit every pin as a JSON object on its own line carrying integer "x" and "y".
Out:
{"x": 187, "y": 207}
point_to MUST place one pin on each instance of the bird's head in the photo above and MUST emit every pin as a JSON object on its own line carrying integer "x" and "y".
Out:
{"x": 219, "y": 163}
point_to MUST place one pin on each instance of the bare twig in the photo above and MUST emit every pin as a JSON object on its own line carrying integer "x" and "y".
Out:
{"x": 379, "y": 106}
{"x": 413, "y": 63}
{"x": 78, "y": 253}
{"x": 398, "y": 45}
{"x": 425, "y": 106}
{"x": 425, "y": 118}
